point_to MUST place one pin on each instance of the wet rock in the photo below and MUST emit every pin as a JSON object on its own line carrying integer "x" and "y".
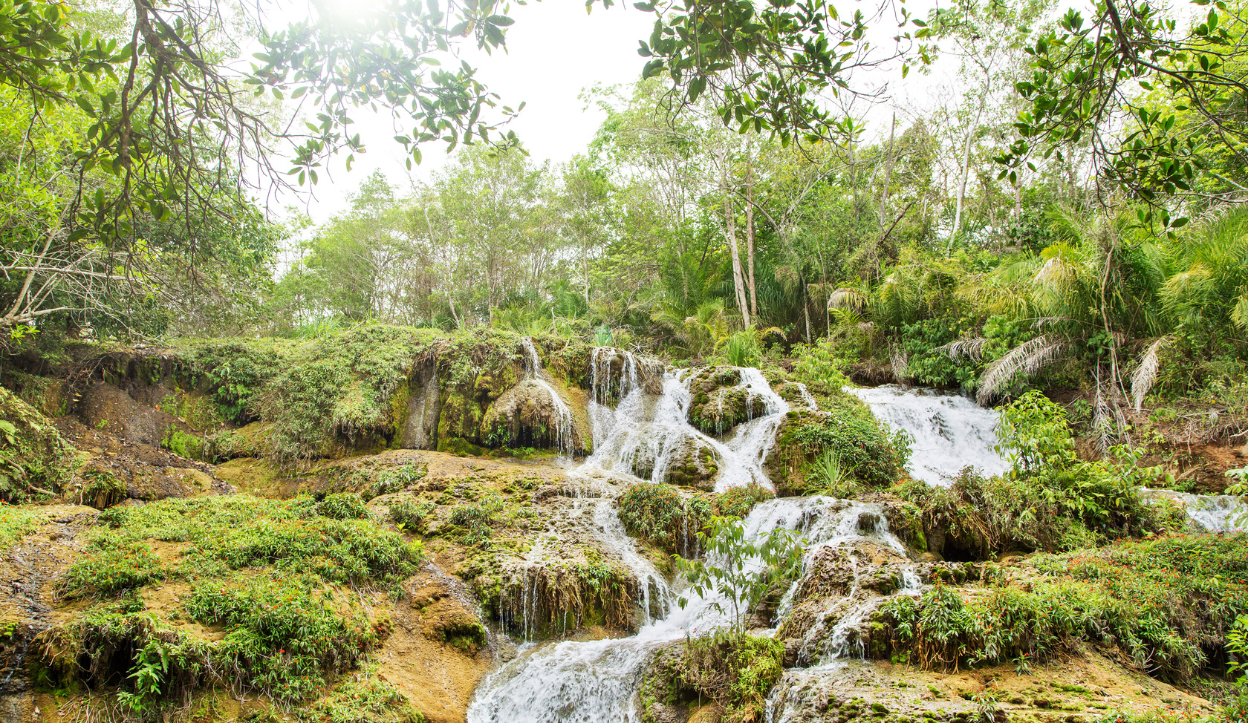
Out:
{"x": 718, "y": 404}
{"x": 532, "y": 414}
{"x": 693, "y": 464}
{"x": 421, "y": 428}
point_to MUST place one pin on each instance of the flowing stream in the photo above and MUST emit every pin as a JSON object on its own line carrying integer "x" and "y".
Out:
{"x": 638, "y": 414}
{"x": 951, "y": 432}
{"x": 597, "y": 681}
{"x": 645, "y": 433}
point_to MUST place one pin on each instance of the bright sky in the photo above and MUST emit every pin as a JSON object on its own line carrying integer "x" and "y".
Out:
{"x": 554, "y": 51}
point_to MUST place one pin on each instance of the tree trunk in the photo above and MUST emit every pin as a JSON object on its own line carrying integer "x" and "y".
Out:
{"x": 730, "y": 229}
{"x": 966, "y": 171}
{"x": 749, "y": 235}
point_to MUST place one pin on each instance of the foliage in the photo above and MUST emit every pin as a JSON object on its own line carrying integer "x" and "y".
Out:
{"x": 34, "y": 458}
{"x": 737, "y": 569}
{"x": 477, "y": 519}
{"x": 658, "y": 513}
{"x": 283, "y": 634}
{"x": 738, "y": 501}
{"x": 365, "y": 697}
{"x": 742, "y": 349}
{"x": 408, "y": 514}
{"x": 734, "y": 669}
{"x": 17, "y": 522}
{"x": 277, "y": 578}
{"x": 342, "y": 506}
{"x": 1163, "y": 602}
{"x": 863, "y": 447}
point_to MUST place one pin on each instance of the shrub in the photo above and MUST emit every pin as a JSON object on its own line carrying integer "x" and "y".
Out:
{"x": 111, "y": 570}
{"x": 272, "y": 575}
{"x": 657, "y": 512}
{"x": 1165, "y": 603}
{"x": 408, "y": 515}
{"x": 742, "y": 349}
{"x": 342, "y": 506}
{"x": 477, "y": 520}
{"x": 864, "y": 448}
{"x": 17, "y": 522}
{"x": 34, "y": 458}
{"x": 734, "y": 669}
{"x": 366, "y": 697}
{"x": 738, "y": 501}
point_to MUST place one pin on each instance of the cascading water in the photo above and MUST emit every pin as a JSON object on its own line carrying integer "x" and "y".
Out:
{"x": 645, "y": 432}
{"x": 573, "y": 682}
{"x": 1215, "y": 513}
{"x": 563, "y": 415}
{"x": 950, "y": 432}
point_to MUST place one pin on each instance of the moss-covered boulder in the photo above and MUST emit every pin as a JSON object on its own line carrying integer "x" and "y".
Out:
{"x": 34, "y": 458}
{"x": 718, "y": 402}
{"x": 841, "y": 585}
{"x": 694, "y": 463}
{"x": 535, "y": 413}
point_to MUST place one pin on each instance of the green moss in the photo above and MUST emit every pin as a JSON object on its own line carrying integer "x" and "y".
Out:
{"x": 183, "y": 444}
{"x": 34, "y": 458}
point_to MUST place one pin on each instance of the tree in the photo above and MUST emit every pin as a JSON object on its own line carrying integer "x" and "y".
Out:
{"x": 175, "y": 127}
{"x": 739, "y": 570}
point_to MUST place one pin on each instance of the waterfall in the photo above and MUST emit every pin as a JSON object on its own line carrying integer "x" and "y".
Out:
{"x": 646, "y": 432}
{"x": 573, "y": 681}
{"x": 563, "y": 415}
{"x": 1213, "y": 513}
{"x": 951, "y": 432}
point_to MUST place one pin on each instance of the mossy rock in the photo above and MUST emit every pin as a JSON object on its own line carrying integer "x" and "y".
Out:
{"x": 34, "y": 458}
{"x": 718, "y": 404}
{"x": 527, "y": 416}
{"x": 694, "y": 464}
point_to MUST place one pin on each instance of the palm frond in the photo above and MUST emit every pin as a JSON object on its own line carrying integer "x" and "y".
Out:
{"x": 847, "y": 298}
{"x": 899, "y": 361}
{"x": 1146, "y": 373}
{"x": 1239, "y": 313}
{"x": 1025, "y": 359}
{"x": 964, "y": 349}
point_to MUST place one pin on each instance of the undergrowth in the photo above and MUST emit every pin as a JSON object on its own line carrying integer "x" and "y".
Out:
{"x": 734, "y": 669}
{"x": 278, "y": 579}
{"x": 17, "y": 522}
{"x": 1166, "y": 604}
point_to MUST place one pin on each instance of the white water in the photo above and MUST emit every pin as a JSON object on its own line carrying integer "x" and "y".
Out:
{"x": 571, "y": 682}
{"x": 1213, "y": 513}
{"x": 645, "y": 433}
{"x": 950, "y": 432}
{"x": 563, "y": 415}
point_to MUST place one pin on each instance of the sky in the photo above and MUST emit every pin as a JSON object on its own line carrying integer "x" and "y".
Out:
{"x": 554, "y": 50}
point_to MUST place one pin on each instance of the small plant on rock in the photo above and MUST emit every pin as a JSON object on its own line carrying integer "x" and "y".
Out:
{"x": 740, "y": 570}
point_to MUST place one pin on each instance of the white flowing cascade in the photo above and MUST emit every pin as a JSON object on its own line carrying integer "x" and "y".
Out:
{"x": 950, "y": 431}
{"x": 639, "y": 439}
{"x": 1215, "y": 513}
{"x": 596, "y": 681}
{"x": 563, "y": 422}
